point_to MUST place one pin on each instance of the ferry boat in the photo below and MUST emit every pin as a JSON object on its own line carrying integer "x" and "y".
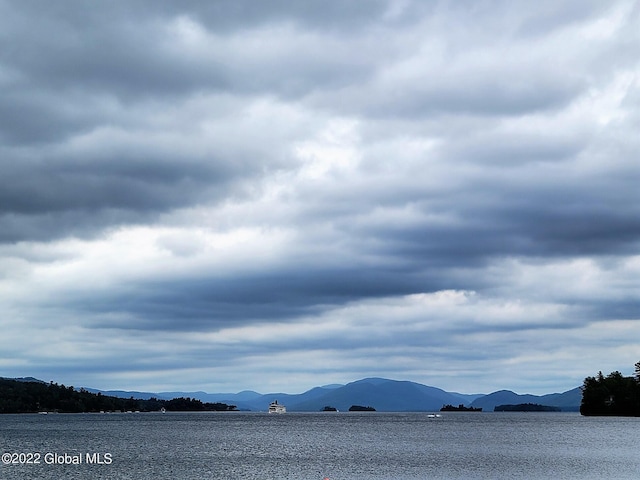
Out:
{"x": 275, "y": 407}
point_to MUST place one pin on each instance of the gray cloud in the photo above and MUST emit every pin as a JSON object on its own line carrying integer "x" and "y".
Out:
{"x": 264, "y": 182}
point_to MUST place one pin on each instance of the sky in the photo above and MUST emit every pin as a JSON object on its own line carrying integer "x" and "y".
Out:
{"x": 227, "y": 195}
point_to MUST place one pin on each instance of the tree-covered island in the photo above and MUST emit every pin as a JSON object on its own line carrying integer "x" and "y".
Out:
{"x": 614, "y": 394}
{"x": 360, "y": 408}
{"x": 526, "y": 407}
{"x": 35, "y": 396}
{"x": 460, "y": 408}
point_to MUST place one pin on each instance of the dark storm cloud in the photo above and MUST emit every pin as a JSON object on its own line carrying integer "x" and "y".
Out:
{"x": 75, "y": 69}
{"x": 30, "y": 117}
{"x": 51, "y": 197}
{"x": 214, "y": 303}
{"x": 131, "y": 50}
{"x": 119, "y": 183}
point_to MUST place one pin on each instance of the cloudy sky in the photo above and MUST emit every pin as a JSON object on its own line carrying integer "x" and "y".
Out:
{"x": 226, "y": 195}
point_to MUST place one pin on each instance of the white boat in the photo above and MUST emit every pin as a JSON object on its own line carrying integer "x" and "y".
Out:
{"x": 275, "y": 407}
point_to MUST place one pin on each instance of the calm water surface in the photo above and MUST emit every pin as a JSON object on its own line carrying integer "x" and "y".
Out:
{"x": 313, "y": 446}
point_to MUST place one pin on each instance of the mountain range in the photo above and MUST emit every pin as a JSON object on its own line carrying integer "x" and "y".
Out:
{"x": 380, "y": 393}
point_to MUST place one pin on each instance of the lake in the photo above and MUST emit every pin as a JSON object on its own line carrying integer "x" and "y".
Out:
{"x": 238, "y": 445}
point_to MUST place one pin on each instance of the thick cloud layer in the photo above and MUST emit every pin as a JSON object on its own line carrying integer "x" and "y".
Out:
{"x": 228, "y": 195}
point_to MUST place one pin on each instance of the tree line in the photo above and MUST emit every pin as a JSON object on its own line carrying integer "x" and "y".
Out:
{"x": 614, "y": 394}
{"x": 30, "y": 397}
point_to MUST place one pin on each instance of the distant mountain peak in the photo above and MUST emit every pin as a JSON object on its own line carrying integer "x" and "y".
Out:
{"x": 381, "y": 393}
{"x": 372, "y": 381}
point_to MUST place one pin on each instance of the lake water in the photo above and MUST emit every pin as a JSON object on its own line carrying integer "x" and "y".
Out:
{"x": 317, "y": 445}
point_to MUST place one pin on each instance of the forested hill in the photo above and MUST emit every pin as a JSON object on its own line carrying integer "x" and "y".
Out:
{"x": 612, "y": 395}
{"x": 21, "y": 396}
